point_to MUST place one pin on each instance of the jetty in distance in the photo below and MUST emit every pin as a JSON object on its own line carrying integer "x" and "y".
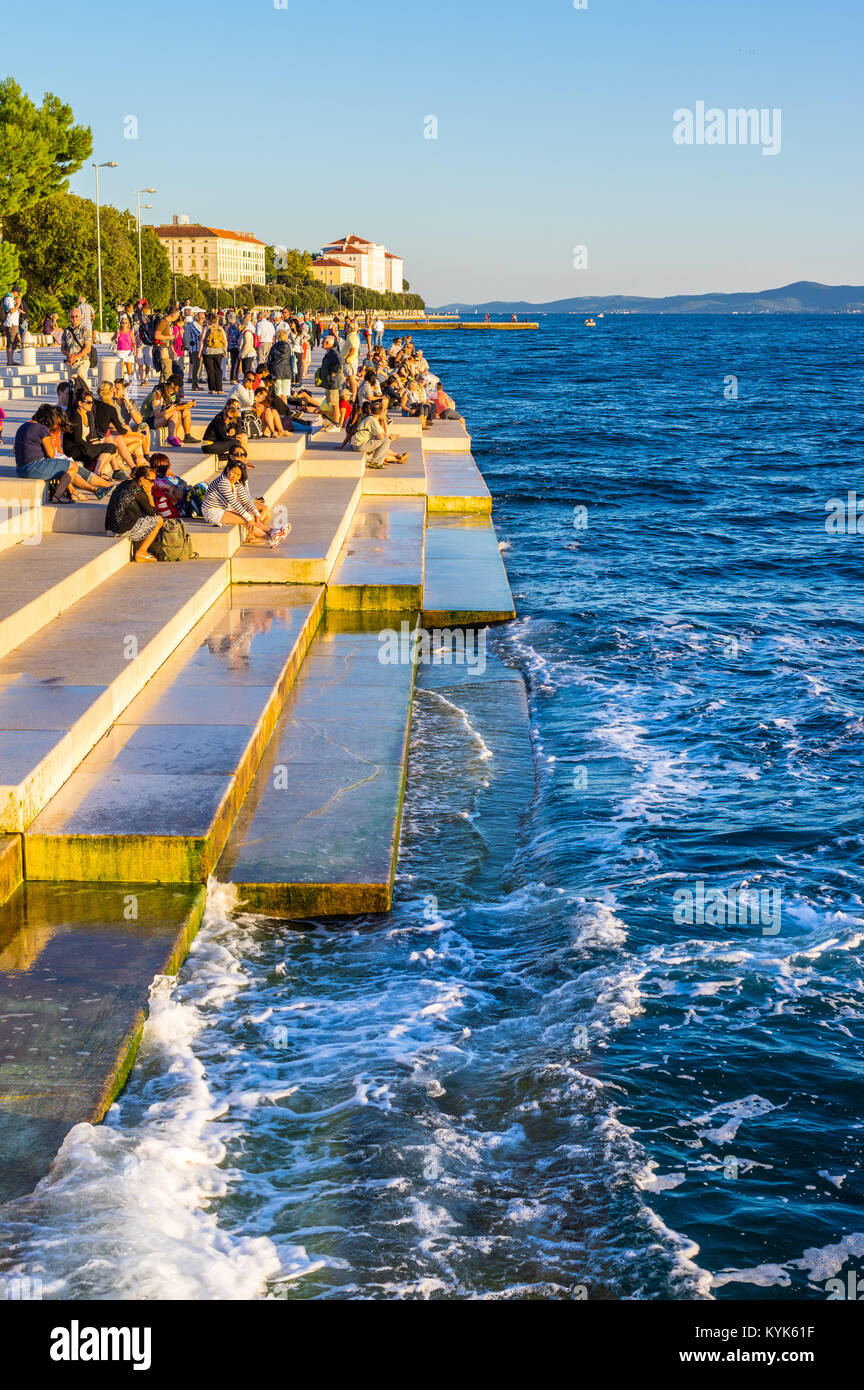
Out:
{"x": 245, "y": 714}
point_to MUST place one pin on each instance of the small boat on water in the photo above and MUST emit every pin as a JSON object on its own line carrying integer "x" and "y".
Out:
{"x": 590, "y": 323}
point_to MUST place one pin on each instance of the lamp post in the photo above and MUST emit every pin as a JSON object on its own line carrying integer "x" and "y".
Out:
{"x": 106, "y": 164}
{"x": 138, "y": 220}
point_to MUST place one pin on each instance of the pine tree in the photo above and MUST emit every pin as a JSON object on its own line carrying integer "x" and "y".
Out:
{"x": 41, "y": 147}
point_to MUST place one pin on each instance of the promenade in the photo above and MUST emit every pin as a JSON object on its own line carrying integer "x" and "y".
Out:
{"x": 235, "y": 715}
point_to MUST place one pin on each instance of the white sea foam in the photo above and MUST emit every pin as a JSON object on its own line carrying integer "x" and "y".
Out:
{"x": 480, "y": 744}
{"x": 762, "y": 1276}
{"x": 824, "y": 1263}
{"x": 143, "y": 1181}
{"x": 747, "y": 1108}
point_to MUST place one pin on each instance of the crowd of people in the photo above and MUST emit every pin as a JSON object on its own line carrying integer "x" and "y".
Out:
{"x": 91, "y": 443}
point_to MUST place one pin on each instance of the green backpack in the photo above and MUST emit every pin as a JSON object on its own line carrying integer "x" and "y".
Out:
{"x": 173, "y": 542}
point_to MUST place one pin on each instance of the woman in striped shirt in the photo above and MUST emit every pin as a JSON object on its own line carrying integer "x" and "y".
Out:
{"x": 227, "y": 501}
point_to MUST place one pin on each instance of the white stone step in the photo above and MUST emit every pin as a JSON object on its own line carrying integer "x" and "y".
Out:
{"x": 320, "y": 511}
{"x": 155, "y": 800}
{"x": 465, "y": 581}
{"x": 40, "y": 580}
{"x": 61, "y": 690}
{"x": 454, "y": 483}
{"x": 380, "y": 565}
{"x": 319, "y": 831}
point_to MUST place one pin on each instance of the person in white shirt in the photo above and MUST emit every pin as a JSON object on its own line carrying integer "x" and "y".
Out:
{"x": 12, "y": 325}
{"x": 86, "y": 312}
{"x": 266, "y": 335}
{"x": 378, "y": 332}
{"x": 244, "y": 391}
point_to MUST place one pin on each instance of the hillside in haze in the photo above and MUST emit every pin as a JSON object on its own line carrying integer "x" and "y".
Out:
{"x": 803, "y": 297}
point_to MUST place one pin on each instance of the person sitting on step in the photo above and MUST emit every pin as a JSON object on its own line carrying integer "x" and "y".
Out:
{"x": 224, "y": 429}
{"x": 82, "y": 443}
{"x": 368, "y": 435}
{"x": 38, "y": 454}
{"x": 129, "y": 413}
{"x": 132, "y": 512}
{"x": 224, "y": 505}
{"x": 108, "y": 424}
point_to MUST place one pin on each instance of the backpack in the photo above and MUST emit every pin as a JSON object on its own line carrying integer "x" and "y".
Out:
{"x": 148, "y": 329}
{"x": 192, "y": 502}
{"x": 173, "y": 542}
{"x": 252, "y": 425}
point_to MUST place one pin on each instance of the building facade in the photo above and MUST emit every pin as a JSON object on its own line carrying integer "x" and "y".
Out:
{"x": 214, "y": 254}
{"x": 374, "y": 267}
{"x": 330, "y": 270}
{"x": 395, "y": 272}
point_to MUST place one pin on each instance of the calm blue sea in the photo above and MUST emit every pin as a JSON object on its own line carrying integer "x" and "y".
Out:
{"x": 538, "y": 1078}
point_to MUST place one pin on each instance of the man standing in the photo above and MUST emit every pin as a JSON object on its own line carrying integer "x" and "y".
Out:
{"x": 75, "y": 346}
{"x": 351, "y": 348}
{"x": 163, "y": 337}
{"x": 266, "y": 334}
{"x": 86, "y": 312}
{"x": 331, "y": 379}
{"x": 12, "y": 324}
{"x": 378, "y": 332}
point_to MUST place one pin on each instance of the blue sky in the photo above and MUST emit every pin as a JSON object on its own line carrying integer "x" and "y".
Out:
{"x": 554, "y": 130}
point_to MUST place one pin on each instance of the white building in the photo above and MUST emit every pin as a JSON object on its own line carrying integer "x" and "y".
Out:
{"x": 395, "y": 272}
{"x": 375, "y": 268}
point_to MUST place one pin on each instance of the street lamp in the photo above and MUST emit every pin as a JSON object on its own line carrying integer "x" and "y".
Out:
{"x": 106, "y": 164}
{"x": 138, "y": 206}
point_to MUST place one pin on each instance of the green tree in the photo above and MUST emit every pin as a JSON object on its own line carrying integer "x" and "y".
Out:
{"x": 56, "y": 242}
{"x": 41, "y": 147}
{"x": 156, "y": 268}
{"x": 10, "y": 267}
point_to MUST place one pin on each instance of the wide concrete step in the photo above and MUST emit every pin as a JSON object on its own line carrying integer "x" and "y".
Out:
{"x": 61, "y": 690}
{"x": 18, "y": 491}
{"x": 446, "y": 436}
{"x": 319, "y": 831}
{"x": 156, "y": 798}
{"x": 285, "y": 450}
{"x": 380, "y": 565}
{"x": 324, "y": 458}
{"x": 320, "y": 511}
{"x": 20, "y": 520}
{"x": 454, "y": 483}
{"x": 406, "y": 479}
{"x": 45, "y": 390}
{"x": 465, "y": 580}
{"x": 41, "y": 580}
{"x": 75, "y": 970}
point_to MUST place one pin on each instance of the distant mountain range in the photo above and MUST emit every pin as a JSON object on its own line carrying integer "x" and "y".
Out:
{"x": 804, "y": 297}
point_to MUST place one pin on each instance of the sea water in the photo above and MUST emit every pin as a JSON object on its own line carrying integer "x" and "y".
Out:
{"x": 577, "y": 1060}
